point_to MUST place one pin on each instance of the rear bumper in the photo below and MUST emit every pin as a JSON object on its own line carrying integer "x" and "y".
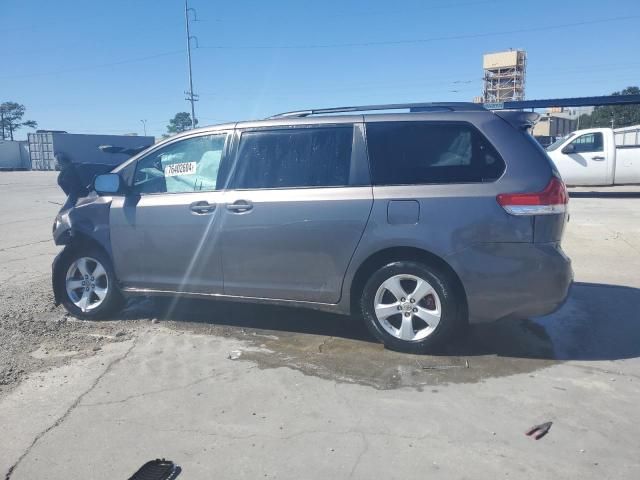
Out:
{"x": 515, "y": 280}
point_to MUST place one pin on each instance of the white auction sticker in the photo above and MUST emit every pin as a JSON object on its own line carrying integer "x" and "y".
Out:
{"x": 186, "y": 168}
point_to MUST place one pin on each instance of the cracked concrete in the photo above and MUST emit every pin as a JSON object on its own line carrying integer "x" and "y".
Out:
{"x": 47, "y": 240}
{"x": 43, "y": 402}
{"x": 311, "y": 396}
{"x": 68, "y": 411}
{"x": 237, "y": 421}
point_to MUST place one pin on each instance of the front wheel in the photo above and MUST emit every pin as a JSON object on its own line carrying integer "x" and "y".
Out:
{"x": 411, "y": 307}
{"x": 87, "y": 286}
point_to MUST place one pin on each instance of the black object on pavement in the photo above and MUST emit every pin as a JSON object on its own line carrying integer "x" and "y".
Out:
{"x": 158, "y": 469}
{"x": 539, "y": 431}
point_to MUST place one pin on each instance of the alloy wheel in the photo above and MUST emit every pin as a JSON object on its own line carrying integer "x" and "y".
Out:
{"x": 407, "y": 307}
{"x": 87, "y": 283}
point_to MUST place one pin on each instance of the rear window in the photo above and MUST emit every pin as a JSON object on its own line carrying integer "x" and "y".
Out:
{"x": 410, "y": 153}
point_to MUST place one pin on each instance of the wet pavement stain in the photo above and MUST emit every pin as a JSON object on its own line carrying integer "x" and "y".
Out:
{"x": 339, "y": 348}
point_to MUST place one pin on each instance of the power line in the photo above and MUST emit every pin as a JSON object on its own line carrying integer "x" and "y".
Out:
{"x": 420, "y": 40}
{"x": 447, "y": 83}
{"x": 326, "y": 46}
{"x": 92, "y": 67}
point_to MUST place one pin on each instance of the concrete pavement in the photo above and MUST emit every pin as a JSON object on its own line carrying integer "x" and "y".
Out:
{"x": 311, "y": 396}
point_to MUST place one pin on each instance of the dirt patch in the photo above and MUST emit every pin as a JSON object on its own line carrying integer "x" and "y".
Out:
{"x": 35, "y": 334}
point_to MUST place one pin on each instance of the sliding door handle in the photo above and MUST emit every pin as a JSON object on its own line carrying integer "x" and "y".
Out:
{"x": 202, "y": 207}
{"x": 240, "y": 206}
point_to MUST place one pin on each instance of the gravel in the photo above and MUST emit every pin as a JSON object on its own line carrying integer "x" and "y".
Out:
{"x": 35, "y": 334}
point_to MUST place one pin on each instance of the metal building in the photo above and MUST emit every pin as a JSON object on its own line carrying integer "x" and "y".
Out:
{"x": 79, "y": 148}
{"x": 14, "y": 155}
{"x": 504, "y": 76}
{"x": 552, "y": 126}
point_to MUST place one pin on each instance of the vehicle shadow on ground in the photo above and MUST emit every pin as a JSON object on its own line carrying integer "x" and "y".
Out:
{"x": 601, "y": 194}
{"x": 261, "y": 317}
{"x": 598, "y": 322}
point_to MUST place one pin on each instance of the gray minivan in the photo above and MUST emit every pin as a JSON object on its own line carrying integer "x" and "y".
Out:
{"x": 419, "y": 221}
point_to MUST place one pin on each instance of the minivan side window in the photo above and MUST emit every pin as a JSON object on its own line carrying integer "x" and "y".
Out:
{"x": 190, "y": 165}
{"x": 589, "y": 142}
{"x": 294, "y": 158}
{"x": 413, "y": 153}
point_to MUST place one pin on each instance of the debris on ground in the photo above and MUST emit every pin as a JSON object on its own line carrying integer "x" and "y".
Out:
{"x": 234, "y": 354}
{"x": 539, "y": 431}
{"x": 442, "y": 367}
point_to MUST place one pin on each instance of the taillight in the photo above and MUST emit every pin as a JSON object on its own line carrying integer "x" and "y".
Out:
{"x": 553, "y": 199}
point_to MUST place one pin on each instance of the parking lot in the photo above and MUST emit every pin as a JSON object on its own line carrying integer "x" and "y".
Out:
{"x": 241, "y": 391}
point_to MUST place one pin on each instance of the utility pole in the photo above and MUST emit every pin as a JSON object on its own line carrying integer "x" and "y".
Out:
{"x": 144, "y": 126}
{"x": 191, "y": 97}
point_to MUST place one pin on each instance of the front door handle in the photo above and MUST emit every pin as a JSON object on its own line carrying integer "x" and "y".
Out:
{"x": 597, "y": 157}
{"x": 202, "y": 207}
{"x": 240, "y": 206}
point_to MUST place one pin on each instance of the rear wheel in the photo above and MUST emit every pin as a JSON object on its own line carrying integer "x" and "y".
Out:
{"x": 411, "y": 307}
{"x": 87, "y": 284}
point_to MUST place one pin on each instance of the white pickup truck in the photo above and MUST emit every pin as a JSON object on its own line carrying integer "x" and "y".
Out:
{"x": 598, "y": 156}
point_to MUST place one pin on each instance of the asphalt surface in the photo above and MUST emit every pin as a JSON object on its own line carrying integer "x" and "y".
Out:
{"x": 239, "y": 391}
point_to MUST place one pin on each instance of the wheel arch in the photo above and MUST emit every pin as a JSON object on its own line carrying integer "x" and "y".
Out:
{"x": 395, "y": 254}
{"x": 79, "y": 241}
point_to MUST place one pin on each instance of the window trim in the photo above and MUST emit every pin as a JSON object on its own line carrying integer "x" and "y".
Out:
{"x": 357, "y": 130}
{"x": 584, "y": 143}
{"x": 224, "y": 159}
{"x": 475, "y": 130}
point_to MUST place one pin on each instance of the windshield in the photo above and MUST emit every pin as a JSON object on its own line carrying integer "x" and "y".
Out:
{"x": 555, "y": 145}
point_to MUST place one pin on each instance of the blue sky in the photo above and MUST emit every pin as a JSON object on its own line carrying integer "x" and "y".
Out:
{"x": 102, "y": 66}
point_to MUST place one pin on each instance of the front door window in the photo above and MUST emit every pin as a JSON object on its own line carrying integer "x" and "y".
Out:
{"x": 190, "y": 165}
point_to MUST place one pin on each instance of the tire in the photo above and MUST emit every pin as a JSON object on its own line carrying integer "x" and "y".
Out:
{"x": 87, "y": 285}
{"x": 427, "y": 314}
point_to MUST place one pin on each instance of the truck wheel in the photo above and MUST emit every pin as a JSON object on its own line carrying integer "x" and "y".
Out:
{"x": 410, "y": 307}
{"x": 87, "y": 284}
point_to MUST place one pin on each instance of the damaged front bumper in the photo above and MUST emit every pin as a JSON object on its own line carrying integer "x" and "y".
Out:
{"x": 62, "y": 232}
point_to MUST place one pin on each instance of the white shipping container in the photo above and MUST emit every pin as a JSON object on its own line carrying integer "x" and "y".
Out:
{"x": 14, "y": 155}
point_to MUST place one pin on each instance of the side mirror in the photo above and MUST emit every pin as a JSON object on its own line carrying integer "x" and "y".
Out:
{"x": 108, "y": 184}
{"x": 569, "y": 149}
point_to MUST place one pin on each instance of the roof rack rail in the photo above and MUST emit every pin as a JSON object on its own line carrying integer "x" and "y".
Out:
{"x": 413, "y": 107}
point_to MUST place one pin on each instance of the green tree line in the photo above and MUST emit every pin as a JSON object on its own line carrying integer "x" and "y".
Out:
{"x": 615, "y": 116}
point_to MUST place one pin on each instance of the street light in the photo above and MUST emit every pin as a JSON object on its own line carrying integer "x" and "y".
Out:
{"x": 144, "y": 126}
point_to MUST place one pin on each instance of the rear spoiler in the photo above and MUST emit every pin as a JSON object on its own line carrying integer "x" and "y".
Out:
{"x": 520, "y": 120}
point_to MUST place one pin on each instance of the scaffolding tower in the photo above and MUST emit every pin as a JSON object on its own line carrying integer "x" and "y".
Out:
{"x": 504, "y": 76}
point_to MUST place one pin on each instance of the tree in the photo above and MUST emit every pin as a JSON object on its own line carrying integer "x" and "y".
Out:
{"x": 616, "y": 115}
{"x": 180, "y": 122}
{"x": 11, "y": 114}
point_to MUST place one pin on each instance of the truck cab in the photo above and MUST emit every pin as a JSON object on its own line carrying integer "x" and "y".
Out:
{"x": 598, "y": 156}
{"x": 585, "y": 157}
